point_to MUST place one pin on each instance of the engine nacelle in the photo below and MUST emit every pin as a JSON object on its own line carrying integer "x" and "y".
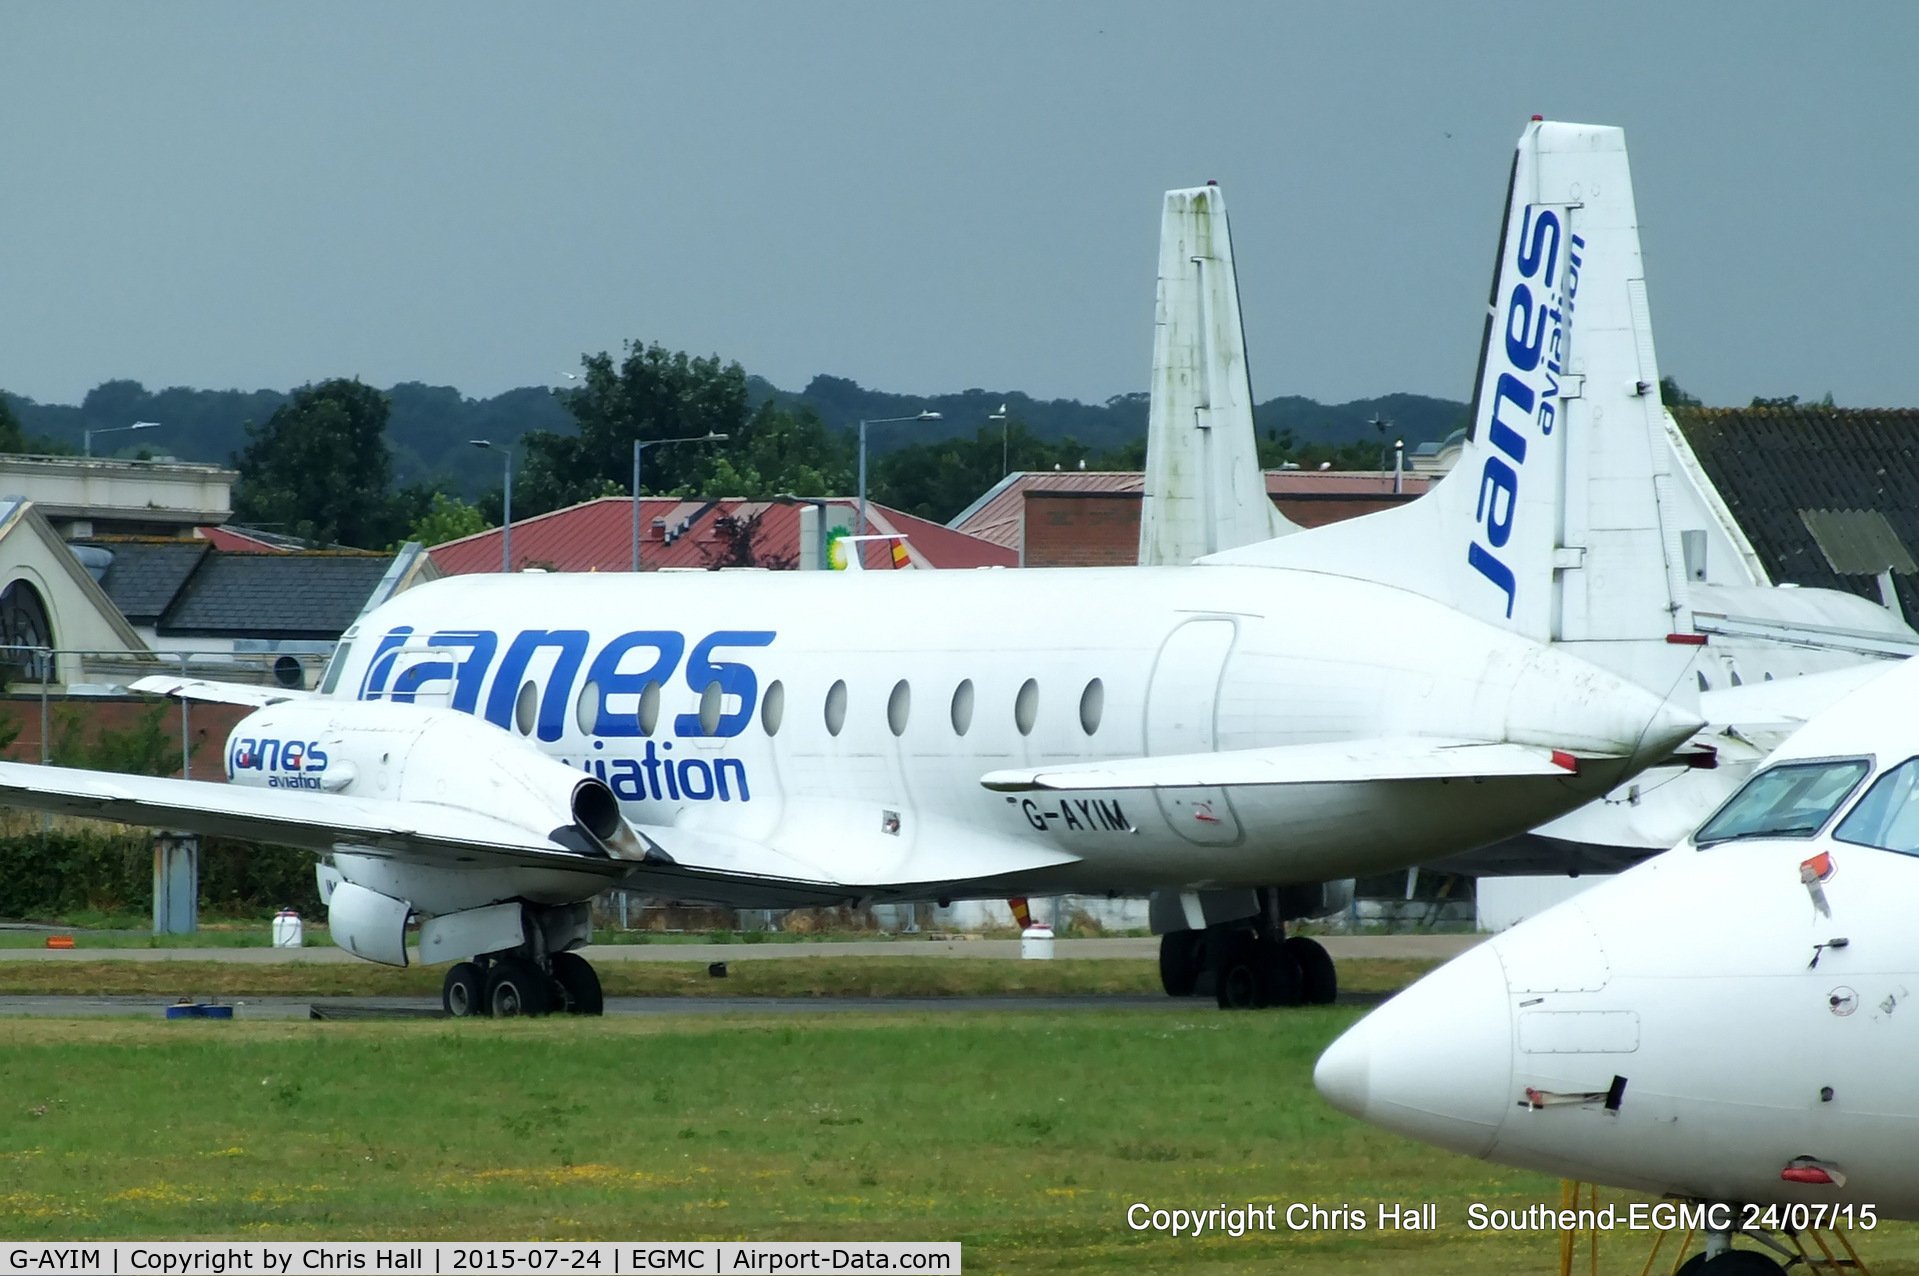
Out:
{"x": 377, "y": 750}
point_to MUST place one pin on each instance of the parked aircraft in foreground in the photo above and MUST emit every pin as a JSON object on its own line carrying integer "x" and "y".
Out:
{"x": 485, "y": 754}
{"x": 1733, "y": 1021}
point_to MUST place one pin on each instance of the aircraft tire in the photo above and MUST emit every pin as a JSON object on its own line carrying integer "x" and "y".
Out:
{"x": 1318, "y": 977}
{"x": 1179, "y": 954}
{"x": 1281, "y": 981}
{"x": 463, "y": 995}
{"x": 1734, "y": 1262}
{"x": 1238, "y": 984}
{"x": 517, "y": 987}
{"x": 579, "y": 983}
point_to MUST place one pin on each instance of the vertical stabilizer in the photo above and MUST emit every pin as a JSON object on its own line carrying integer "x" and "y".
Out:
{"x": 1561, "y": 519}
{"x": 1204, "y": 488}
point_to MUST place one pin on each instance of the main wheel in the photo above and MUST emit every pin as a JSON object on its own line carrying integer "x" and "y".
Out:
{"x": 516, "y": 986}
{"x": 464, "y": 992}
{"x": 580, "y": 984}
{"x": 1279, "y": 975}
{"x": 1318, "y": 980}
{"x": 1740, "y": 1262}
{"x": 1179, "y": 952}
{"x": 1238, "y": 972}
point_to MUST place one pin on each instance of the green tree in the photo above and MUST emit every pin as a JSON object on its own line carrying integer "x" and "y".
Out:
{"x": 938, "y": 480}
{"x": 319, "y": 468}
{"x": 1673, "y": 396}
{"x": 780, "y": 450}
{"x": 12, "y": 437}
{"x": 653, "y": 393}
{"x": 447, "y": 518}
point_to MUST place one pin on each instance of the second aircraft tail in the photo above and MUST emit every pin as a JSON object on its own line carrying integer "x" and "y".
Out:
{"x": 1559, "y": 521}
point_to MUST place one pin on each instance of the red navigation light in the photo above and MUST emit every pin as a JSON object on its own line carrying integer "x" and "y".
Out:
{"x": 1686, "y": 640}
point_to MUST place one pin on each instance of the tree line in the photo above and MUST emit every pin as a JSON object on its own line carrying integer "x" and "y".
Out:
{"x": 322, "y": 466}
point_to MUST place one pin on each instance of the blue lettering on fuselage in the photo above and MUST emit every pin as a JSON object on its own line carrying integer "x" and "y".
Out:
{"x": 1525, "y": 391}
{"x": 452, "y": 666}
{"x": 286, "y": 764}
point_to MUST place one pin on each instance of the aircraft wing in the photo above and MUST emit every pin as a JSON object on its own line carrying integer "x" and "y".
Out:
{"x": 682, "y": 863}
{"x": 1406, "y": 758}
{"x": 298, "y": 818}
{"x": 210, "y": 692}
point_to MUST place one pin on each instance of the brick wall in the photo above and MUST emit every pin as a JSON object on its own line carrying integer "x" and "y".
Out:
{"x": 209, "y": 724}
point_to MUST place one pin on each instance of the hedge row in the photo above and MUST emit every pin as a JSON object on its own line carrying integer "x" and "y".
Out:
{"x": 53, "y": 874}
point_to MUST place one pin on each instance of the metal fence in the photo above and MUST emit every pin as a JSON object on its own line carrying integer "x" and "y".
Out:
{"x": 75, "y": 673}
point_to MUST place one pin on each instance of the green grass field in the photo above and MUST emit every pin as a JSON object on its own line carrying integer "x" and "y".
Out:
{"x": 1024, "y": 1134}
{"x": 776, "y": 977}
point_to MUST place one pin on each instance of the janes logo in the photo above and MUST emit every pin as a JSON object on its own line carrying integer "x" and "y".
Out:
{"x": 286, "y": 764}
{"x": 620, "y": 685}
{"x": 1523, "y": 362}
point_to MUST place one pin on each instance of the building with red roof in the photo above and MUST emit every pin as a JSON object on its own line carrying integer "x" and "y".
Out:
{"x": 694, "y": 534}
{"x": 1090, "y": 518}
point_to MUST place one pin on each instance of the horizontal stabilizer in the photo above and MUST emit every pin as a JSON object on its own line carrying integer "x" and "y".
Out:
{"x": 211, "y": 692}
{"x": 293, "y": 817}
{"x": 1344, "y": 762}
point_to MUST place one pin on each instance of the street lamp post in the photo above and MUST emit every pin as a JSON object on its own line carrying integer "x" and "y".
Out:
{"x": 1005, "y": 433}
{"x": 639, "y": 446}
{"x": 506, "y": 506}
{"x": 86, "y": 447}
{"x": 890, "y": 420}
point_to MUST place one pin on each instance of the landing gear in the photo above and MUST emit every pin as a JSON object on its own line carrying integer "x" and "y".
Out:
{"x": 1181, "y": 957}
{"x": 579, "y": 985}
{"x": 1318, "y": 979}
{"x": 464, "y": 992}
{"x": 508, "y": 987}
{"x": 515, "y": 986}
{"x": 1255, "y": 970}
{"x": 1248, "y": 962}
{"x": 1731, "y": 1262}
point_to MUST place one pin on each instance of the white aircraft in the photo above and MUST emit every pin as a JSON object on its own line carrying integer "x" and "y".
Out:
{"x": 1650, "y": 574}
{"x": 1732, "y": 1022}
{"x": 485, "y": 754}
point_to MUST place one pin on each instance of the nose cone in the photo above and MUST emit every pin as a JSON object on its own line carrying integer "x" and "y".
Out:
{"x": 1435, "y": 1062}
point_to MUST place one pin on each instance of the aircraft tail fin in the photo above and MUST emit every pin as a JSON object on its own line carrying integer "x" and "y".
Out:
{"x": 1560, "y": 520}
{"x": 1204, "y": 491}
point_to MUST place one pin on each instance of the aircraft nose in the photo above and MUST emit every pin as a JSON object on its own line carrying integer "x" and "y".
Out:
{"x": 1435, "y": 1062}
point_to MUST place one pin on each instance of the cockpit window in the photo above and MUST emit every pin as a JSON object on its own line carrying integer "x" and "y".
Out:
{"x": 334, "y": 668}
{"x": 1888, "y": 816}
{"x": 1793, "y": 800}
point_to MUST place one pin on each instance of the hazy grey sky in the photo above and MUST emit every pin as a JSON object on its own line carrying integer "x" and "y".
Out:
{"x": 924, "y": 197}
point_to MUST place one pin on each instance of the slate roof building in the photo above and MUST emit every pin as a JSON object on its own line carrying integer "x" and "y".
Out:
{"x": 1828, "y": 497}
{"x": 189, "y": 595}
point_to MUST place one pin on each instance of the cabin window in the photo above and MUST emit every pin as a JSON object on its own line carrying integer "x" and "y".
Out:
{"x": 587, "y": 712}
{"x": 526, "y": 709}
{"x": 1792, "y": 800}
{"x": 836, "y": 707}
{"x": 963, "y": 707}
{"x": 1026, "y": 706}
{"x": 649, "y": 707}
{"x": 710, "y": 708}
{"x": 899, "y": 707}
{"x": 1888, "y": 816}
{"x": 773, "y": 706}
{"x": 1092, "y": 704}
